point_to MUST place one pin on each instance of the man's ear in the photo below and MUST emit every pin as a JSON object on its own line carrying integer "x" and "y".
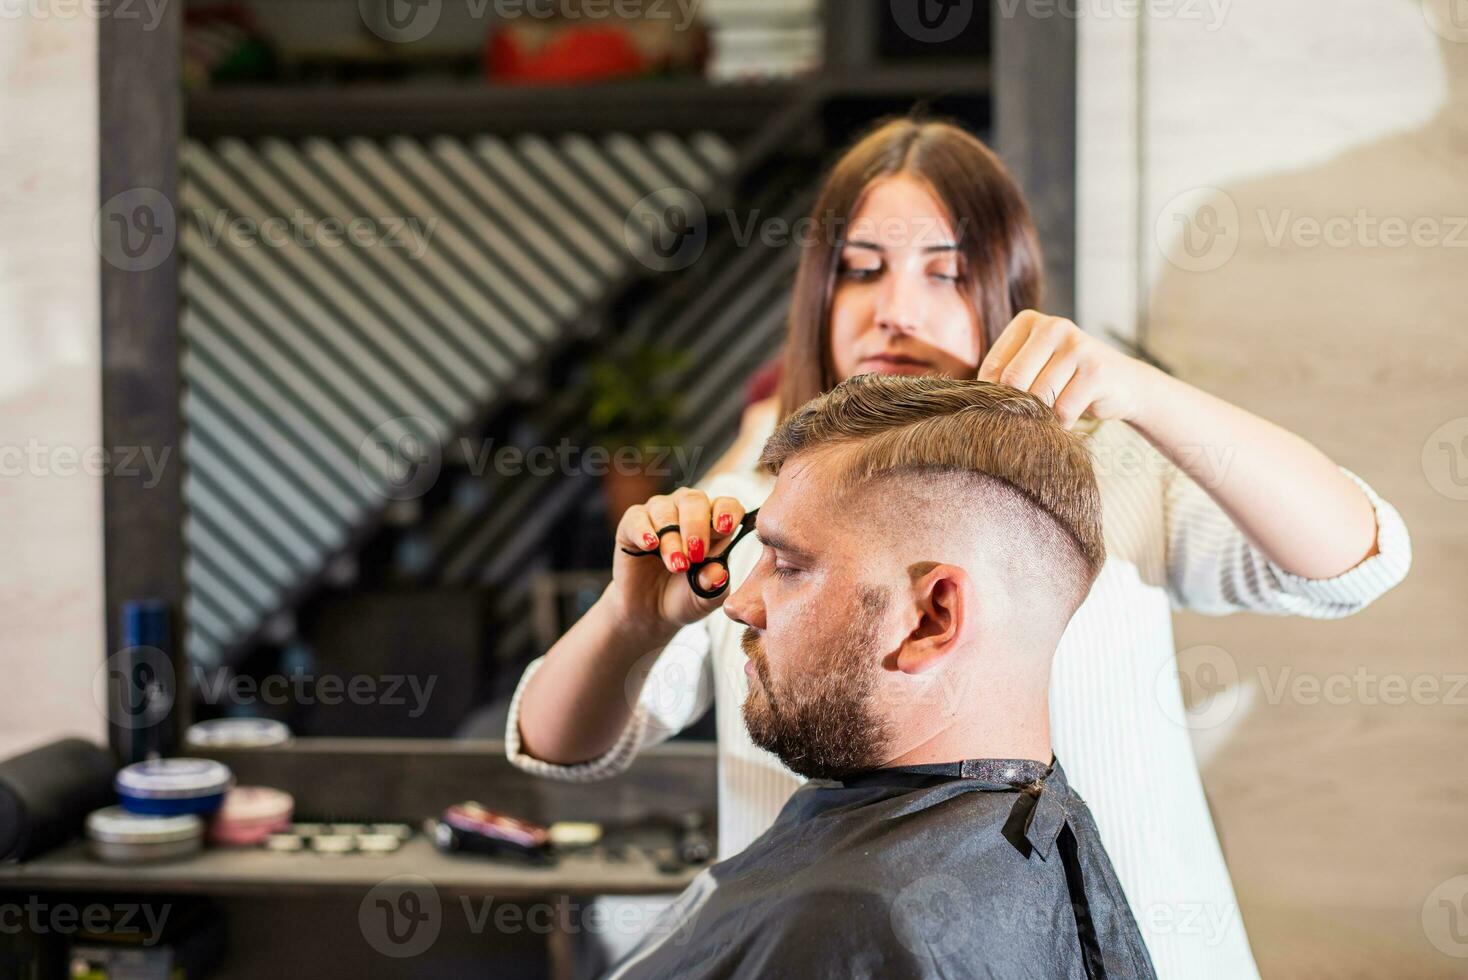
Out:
{"x": 942, "y": 599}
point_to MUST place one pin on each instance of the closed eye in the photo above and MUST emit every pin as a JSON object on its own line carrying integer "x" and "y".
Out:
{"x": 784, "y": 571}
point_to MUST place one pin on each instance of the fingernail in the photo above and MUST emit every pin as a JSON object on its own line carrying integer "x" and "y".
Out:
{"x": 680, "y": 562}
{"x": 726, "y": 523}
{"x": 651, "y": 540}
{"x": 722, "y": 576}
{"x": 695, "y": 549}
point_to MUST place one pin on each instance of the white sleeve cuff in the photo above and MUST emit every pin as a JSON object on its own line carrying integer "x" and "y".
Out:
{"x": 1357, "y": 587}
{"x": 615, "y": 761}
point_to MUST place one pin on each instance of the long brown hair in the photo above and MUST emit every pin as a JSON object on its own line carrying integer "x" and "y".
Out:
{"x": 999, "y": 251}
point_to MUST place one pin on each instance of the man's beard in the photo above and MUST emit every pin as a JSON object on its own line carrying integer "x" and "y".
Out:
{"x": 823, "y": 722}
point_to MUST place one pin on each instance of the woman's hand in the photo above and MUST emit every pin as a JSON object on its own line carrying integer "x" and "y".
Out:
{"x": 1071, "y": 371}
{"x": 651, "y": 592}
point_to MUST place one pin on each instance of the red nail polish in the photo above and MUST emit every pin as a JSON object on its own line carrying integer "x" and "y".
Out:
{"x": 726, "y": 523}
{"x": 723, "y": 577}
{"x": 680, "y": 562}
{"x": 695, "y": 549}
{"x": 651, "y": 540}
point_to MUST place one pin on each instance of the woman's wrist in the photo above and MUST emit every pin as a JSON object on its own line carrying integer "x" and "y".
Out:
{"x": 631, "y": 629}
{"x": 1152, "y": 396}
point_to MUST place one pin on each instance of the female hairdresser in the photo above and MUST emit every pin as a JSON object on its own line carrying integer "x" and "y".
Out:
{"x": 1206, "y": 507}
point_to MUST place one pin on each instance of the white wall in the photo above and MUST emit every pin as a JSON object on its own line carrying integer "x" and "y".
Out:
{"x": 51, "y": 635}
{"x": 1341, "y": 821}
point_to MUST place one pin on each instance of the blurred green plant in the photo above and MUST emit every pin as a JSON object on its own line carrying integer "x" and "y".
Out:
{"x": 631, "y": 398}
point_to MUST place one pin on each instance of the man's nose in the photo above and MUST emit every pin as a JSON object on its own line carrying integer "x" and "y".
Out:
{"x": 744, "y": 606}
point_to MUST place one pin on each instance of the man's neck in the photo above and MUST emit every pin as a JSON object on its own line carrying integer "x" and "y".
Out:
{"x": 998, "y": 735}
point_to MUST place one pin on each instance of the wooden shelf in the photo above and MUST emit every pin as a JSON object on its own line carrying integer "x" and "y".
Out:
{"x": 641, "y": 105}
{"x": 242, "y": 872}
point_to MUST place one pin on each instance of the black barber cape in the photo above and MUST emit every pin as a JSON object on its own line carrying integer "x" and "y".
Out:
{"x": 987, "y": 868}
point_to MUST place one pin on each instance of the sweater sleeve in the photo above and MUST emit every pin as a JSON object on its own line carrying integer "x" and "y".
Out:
{"x": 677, "y": 690}
{"x": 1213, "y": 568}
{"x": 679, "y": 685}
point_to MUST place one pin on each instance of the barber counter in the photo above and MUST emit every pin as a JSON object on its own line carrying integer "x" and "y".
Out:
{"x": 415, "y": 911}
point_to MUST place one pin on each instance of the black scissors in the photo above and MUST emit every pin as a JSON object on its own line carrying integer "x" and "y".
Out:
{"x": 722, "y": 558}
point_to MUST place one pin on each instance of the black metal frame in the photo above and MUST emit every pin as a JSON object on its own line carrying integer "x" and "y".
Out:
{"x": 139, "y": 124}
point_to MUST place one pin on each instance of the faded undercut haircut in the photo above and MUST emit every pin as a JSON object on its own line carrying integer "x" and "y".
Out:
{"x": 895, "y": 426}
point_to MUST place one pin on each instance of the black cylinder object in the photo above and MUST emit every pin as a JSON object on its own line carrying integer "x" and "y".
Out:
{"x": 46, "y": 794}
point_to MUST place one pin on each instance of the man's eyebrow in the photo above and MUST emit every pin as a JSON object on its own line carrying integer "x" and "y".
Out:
{"x": 771, "y": 538}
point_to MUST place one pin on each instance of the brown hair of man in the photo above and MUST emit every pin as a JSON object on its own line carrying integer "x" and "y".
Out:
{"x": 1007, "y": 440}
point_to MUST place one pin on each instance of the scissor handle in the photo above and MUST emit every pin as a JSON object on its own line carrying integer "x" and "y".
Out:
{"x": 746, "y": 525}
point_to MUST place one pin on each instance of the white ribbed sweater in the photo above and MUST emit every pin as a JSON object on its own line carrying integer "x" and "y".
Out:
{"x": 1118, "y": 722}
